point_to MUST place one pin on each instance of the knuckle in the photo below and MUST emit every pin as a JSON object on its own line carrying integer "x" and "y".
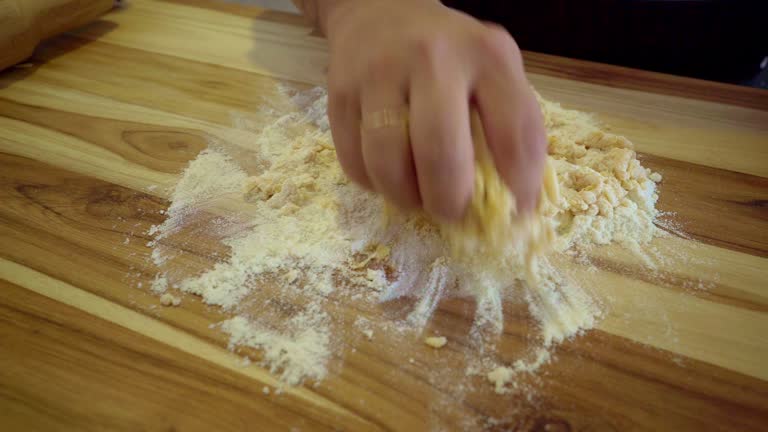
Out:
{"x": 430, "y": 52}
{"x": 444, "y": 207}
{"x": 382, "y": 67}
{"x": 357, "y": 174}
{"x": 498, "y": 46}
{"x": 389, "y": 175}
{"x": 509, "y": 150}
{"x": 448, "y": 176}
{"x": 341, "y": 93}
{"x": 394, "y": 181}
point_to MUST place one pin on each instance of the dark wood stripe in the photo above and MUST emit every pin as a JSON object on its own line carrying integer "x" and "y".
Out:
{"x": 159, "y": 148}
{"x": 714, "y": 291}
{"x": 646, "y": 81}
{"x": 715, "y": 206}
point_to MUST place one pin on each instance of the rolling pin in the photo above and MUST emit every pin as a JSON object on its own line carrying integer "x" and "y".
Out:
{"x": 25, "y": 23}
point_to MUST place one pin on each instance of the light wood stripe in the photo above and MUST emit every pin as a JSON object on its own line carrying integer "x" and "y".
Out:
{"x": 694, "y": 130}
{"x": 168, "y": 335}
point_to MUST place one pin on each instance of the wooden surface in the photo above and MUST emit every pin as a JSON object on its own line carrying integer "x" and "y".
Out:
{"x": 124, "y": 103}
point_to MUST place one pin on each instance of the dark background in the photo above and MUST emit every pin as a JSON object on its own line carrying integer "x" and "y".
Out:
{"x": 720, "y": 40}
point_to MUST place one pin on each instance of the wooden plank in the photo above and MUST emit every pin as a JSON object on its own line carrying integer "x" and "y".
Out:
{"x": 63, "y": 224}
{"x": 645, "y": 81}
{"x": 720, "y": 207}
{"x": 65, "y": 369}
{"x": 688, "y": 398}
{"x": 124, "y": 104}
{"x": 715, "y": 206}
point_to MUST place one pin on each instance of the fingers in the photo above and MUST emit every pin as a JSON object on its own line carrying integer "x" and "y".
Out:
{"x": 386, "y": 148}
{"x": 344, "y": 117}
{"x": 442, "y": 143}
{"x": 513, "y": 124}
{"x": 431, "y": 163}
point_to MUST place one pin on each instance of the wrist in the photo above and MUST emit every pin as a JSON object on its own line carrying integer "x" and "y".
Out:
{"x": 331, "y": 12}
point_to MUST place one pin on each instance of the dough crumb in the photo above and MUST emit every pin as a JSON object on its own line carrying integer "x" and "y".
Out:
{"x": 499, "y": 377}
{"x": 169, "y": 300}
{"x": 265, "y": 390}
{"x": 502, "y": 377}
{"x": 436, "y": 342}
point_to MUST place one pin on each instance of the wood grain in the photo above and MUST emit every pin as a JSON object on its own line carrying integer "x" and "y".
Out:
{"x": 84, "y": 373}
{"x": 76, "y": 245}
{"x": 707, "y": 133}
{"x": 126, "y": 102}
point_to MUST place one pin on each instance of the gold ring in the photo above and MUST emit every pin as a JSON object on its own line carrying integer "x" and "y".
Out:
{"x": 385, "y": 118}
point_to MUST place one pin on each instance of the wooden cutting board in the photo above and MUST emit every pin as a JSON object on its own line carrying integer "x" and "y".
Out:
{"x": 103, "y": 113}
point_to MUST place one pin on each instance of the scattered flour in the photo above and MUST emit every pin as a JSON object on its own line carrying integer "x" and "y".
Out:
{"x": 365, "y": 326}
{"x": 503, "y": 375}
{"x": 299, "y": 234}
{"x": 160, "y": 284}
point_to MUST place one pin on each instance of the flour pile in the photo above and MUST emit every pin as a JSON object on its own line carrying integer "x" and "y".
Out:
{"x": 296, "y": 237}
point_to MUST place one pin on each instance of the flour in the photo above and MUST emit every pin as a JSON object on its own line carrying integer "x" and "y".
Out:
{"x": 159, "y": 284}
{"x": 365, "y": 326}
{"x": 297, "y": 234}
{"x": 298, "y": 353}
{"x": 503, "y": 375}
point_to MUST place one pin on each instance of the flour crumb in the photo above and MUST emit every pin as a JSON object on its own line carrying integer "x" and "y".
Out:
{"x": 365, "y": 327}
{"x": 503, "y": 376}
{"x": 265, "y": 390}
{"x": 160, "y": 284}
{"x": 436, "y": 342}
{"x": 169, "y": 300}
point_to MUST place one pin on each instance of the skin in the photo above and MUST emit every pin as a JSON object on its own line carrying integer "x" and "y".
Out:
{"x": 434, "y": 62}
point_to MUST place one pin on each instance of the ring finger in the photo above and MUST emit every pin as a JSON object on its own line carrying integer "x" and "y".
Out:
{"x": 385, "y": 145}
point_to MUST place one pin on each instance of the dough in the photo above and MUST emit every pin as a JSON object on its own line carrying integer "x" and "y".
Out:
{"x": 491, "y": 221}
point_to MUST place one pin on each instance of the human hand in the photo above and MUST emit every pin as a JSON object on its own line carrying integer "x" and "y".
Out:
{"x": 417, "y": 59}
